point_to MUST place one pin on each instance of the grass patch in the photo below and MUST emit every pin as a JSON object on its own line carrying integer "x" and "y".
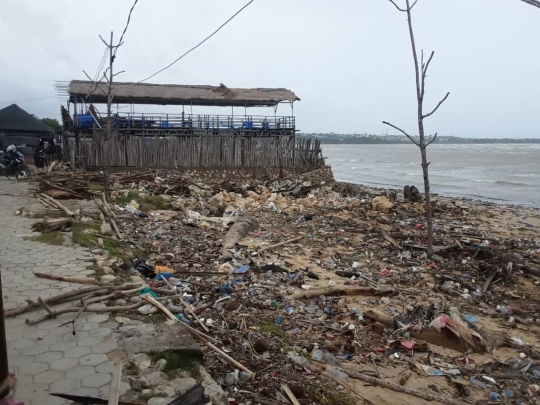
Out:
{"x": 85, "y": 234}
{"x": 176, "y": 360}
{"x": 131, "y": 370}
{"x": 271, "y": 328}
{"x": 132, "y": 195}
{"x": 51, "y": 238}
{"x": 147, "y": 203}
{"x": 158, "y": 318}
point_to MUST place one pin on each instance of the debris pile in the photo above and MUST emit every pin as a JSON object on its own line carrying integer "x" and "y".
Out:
{"x": 305, "y": 291}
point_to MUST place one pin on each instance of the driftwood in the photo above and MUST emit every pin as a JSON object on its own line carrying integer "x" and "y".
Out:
{"x": 229, "y": 358}
{"x": 58, "y": 194}
{"x": 108, "y": 216}
{"x": 52, "y": 225}
{"x": 281, "y": 243}
{"x": 240, "y": 229}
{"x": 337, "y": 290}
{"x": 57, "y": 205}
{"x": 67, "y": 279}
{"x": 68, "y": 296}
{"x": 385, "y": 235}
{"x": 114, "y": 392}
{"x": 54, "y": 313}
{"x": 398, "y": 388}
{"x": 289, "y": 393}
{"x": 489, "y": 280}
{"x": 164, "y": 309}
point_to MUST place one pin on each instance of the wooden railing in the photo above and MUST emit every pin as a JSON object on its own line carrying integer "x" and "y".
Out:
{"x": 187, "y": 121}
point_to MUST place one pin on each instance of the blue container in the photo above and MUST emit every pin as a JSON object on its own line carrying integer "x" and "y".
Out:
{"x": 248, "y": 125}
{"x": 165, "y": 124}
{"x": 85, "y": 121}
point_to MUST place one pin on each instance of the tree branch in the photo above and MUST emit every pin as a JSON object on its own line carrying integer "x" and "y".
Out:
{"x": 535, "y": 3}
{"x": 433, "y": 140}
{"x": 410, "y": 8}
{"x": 402, "y": 131}
{"x": 424, "y": 71}
{"x": 400, "y": 9}
{"x": 438, "y": 105}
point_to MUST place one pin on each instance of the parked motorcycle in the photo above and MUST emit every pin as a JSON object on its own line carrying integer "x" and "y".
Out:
{"x": 40, "y": 156}
{"x": 13, "y": 164}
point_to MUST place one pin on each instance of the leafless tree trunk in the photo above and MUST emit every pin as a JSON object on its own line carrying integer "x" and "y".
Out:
{"x": 535, "y": 3}
{"x": 421, "y": 73}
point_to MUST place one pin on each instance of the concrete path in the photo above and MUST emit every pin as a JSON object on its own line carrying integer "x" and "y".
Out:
{"x": 45, "y": 357}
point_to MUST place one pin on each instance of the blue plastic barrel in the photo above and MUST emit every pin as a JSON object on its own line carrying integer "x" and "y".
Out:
{"x": 85, "y": 121}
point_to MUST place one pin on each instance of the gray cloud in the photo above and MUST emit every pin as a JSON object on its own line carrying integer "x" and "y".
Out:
{"x": 349, "y": 60}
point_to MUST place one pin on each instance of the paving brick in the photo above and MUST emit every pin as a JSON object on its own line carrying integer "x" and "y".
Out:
{"x": 49, "y": 377}
{"x": 96, "y": 380}
{"x": 32, "y": 391}
{"x": 61, "y": 346}
{"x": 86, "y": 392}
{"x": 20, "y": 360}
{"x": 80, "y": 372}
{"x": 49, "y": 400}
{"x": 79, "y": 336}
{"x": 77, "y": 352}
{"x": 33, "y": 368}
{"x": 90, "y": 341}
{"x": 35, "y": 350}
{"x": 101, "y": 332}
{"x": 49, "y": 357}
{"x": 63, "y": 364}
{"x": 93, "y": 359}
{"x": 105, "y": 347}
{"x": 65, "y": 386}
{"x": 98, "y": 318}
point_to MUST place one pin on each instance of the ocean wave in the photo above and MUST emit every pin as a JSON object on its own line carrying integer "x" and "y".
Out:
{"x": 501, "y": 182}
{"x": 413, "y": 174}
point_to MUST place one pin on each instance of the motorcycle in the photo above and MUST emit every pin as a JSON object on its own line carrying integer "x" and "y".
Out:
{"x": 40, "y": 157}
{"x": 15, "y": 167}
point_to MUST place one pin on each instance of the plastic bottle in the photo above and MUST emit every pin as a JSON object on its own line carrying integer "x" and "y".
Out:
{"x": 301, "y": 361}
{"x": 336, "y": 375}
{"x": 330, "y": 359}
{"x": 317, "y": 355}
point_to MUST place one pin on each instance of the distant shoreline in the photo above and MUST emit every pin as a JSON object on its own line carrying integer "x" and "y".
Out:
{"x": 398, "y": 140}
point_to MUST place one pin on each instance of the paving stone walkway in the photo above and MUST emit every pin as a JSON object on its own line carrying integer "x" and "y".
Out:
{"x": 46, "y": 357}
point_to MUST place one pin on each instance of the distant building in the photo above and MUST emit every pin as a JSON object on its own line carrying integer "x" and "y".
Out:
{"x": 20, "y": 128}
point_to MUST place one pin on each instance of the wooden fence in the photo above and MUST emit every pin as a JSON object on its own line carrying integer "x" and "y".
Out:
{"x": 139, "y": 151}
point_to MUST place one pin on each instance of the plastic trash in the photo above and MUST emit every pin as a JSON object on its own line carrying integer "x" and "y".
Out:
{"x": 493, "y": 396}
{"x": 317, "y": 355}
{"x": 242, "y": 269}
{"x": 533, "y": 389}
{"x": 135, "y": 211}
{"x": 509, "y": 394}
{"x": 330, "y": 359}
{"x": 470, "y": 318}
{"x": 336, "y": 375}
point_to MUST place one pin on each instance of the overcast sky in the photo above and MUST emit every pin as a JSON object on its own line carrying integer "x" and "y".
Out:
{"x": 348, "y": 60}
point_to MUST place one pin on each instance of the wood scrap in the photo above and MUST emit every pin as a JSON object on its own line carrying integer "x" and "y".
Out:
{"x": 343, "y": 290}
{"x": 404, "y": 390}
{"x": 114, "y": 391}
{"x": 52, "y": 225}
{"x": 289, "y": 393}
{"x": 385, "y": 235}
{"x": 57, "y": 204}
{"x": 67, "y": 279}
{"x": 293, "y": 240}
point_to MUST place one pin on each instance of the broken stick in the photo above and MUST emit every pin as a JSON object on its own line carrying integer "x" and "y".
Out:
{"x": 290, "y": 394}
{"x": 67, "y": 279}
{"x": 57, "y": 204}
{"x": 298, "y": 238}
{"x": 398, "y": 388}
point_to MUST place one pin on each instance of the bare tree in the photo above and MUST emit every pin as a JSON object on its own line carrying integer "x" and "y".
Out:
{"x": 535, "y": 3}
{"x": 422, "y": 143}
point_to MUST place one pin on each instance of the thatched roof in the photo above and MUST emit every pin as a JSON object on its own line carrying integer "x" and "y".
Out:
{"x": 14, "y": 118}
{"x": 174, "y": 94}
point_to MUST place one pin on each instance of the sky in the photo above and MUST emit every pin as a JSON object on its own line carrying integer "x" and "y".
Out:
{"x": 349, "y": 61}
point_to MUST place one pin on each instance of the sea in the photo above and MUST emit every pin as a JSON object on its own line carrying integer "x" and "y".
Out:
{"x": 502, "y": 173}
